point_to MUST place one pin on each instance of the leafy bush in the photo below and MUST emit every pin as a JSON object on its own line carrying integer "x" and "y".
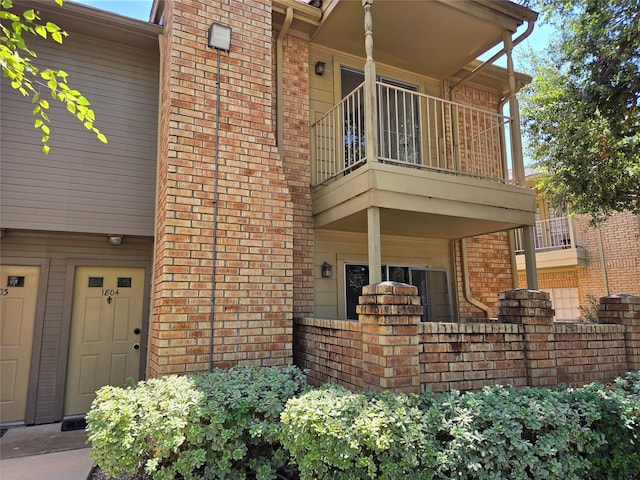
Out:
{"x": 335, "y": 434}
{"x": 589, "y": 312}
{"x": 218, "y": 425}
{"x": 615, "y": 417}
{"x": 497, "y": 433}
{"x": 504, "y": 433}
{"x": 233, "y": 424}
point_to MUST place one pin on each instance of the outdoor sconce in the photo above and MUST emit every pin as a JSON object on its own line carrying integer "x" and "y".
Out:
{"x": 326, "y": 270}
{"x": 320, "y": 68}
{"x": 114, "y": 239}
{"x": 219, "y": 37}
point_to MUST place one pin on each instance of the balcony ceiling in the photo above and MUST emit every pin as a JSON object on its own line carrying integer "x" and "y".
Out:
{"x": 431, "y": 37}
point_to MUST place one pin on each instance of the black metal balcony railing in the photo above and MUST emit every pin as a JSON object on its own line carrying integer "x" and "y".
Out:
{"x": 414, "y": 130}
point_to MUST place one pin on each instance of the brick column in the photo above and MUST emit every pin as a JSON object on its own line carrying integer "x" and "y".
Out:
{"x": 389, "y": 315}
{"x": 532, "y": 309}
{"x": 624, "y": 310}
{"x": 249, "y": 217}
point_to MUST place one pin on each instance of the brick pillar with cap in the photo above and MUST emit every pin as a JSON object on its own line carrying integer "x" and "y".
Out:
{"x": 624, "y": 310}
{"x": 389, "y": 315}
{"x": 532, "y": 309}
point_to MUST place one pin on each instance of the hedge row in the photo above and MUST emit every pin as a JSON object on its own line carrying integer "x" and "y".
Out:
{"x": 266, "y": 423}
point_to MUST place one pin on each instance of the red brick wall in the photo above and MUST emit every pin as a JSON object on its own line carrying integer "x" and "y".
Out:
{"x": 489, "y": 267}
{"x": 526, "y": 348}
{"x": 621, "y": 249}
{"x": 471, "y": 356}
{"x": 331, "y": 350}
{"x": 297, "y": 167}
{"x": 620, "y": 237}
{"x": 589, "y": 352}
{"x": 254, "y": 268}
{"x": 558, "y": 279}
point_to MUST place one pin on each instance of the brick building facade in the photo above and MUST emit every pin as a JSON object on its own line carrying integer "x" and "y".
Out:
{"x": 248, "y": 196}
{"x": 592, "y": 262}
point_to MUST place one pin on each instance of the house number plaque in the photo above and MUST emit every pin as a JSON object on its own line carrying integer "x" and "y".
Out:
{"x": 109, "y": 294}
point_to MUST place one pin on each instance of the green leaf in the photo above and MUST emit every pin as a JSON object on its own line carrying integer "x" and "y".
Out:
{"x": 29, "y": 15}
{"x": 41, "y": 30}
{"x": 102, "y": 138}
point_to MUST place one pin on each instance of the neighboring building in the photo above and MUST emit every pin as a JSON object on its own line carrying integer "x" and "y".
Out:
{"x": 338, "y": 147}
{"x": 578, "y": 262}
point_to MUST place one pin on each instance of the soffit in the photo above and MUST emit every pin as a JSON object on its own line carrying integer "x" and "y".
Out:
{"x": 430, "y": 37}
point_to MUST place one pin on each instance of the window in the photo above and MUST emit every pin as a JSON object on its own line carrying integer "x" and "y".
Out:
{"x": 565, "y": 302}
{"x": 433, "y": 288}
{"x": 398, "y": 125}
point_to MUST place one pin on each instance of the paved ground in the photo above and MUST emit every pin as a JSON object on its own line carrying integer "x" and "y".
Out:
{"x": 44, "y": 452}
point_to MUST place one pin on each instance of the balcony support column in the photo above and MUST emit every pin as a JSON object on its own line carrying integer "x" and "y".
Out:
{"x": 373, "y": 242}
{"x": 528, "y": 231}
{"x": 370, "y": 94}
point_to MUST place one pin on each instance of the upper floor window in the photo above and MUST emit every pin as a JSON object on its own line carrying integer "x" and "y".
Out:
{"x": 398, "y": 119}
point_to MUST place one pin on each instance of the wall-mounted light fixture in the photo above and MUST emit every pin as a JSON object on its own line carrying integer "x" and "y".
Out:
{"x": 219, "y": 37}
{"x": 320, "y": 68}
{"x": 326, "y": 270}
{"x": 115, "y": 239}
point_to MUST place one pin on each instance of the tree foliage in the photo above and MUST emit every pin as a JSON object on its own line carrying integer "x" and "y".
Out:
{"x": 16, "y": 58}
{"x": 581, "y": 113}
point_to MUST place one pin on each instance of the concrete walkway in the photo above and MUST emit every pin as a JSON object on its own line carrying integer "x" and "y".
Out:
{"x": 43, "y": 452}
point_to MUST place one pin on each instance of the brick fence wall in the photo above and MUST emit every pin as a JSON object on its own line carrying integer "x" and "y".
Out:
{"x": 524, "y": 347}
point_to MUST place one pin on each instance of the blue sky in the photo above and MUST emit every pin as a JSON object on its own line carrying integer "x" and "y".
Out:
{"x": 139, "y": 9}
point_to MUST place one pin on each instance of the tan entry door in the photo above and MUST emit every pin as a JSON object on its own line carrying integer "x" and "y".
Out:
{"x": 18, "y": 298}
{"x": 106, "y": 322}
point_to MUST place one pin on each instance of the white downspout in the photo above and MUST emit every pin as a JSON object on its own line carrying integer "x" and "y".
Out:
{"x": 465, "y": 281}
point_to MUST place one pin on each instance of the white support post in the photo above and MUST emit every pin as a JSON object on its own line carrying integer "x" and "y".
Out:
{"x": 528, "y": 231}
{"x": 373, "y": 242}
{"x": 370, "y": 90}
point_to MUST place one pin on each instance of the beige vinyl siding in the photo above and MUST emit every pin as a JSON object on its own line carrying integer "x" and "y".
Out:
{"x": 340, "y": 248}
{"x": 61, "y": 250}
{"x": 84, "y": 185}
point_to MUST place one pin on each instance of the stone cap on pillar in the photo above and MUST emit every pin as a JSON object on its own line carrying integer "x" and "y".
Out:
{"x": 389, "y": 288}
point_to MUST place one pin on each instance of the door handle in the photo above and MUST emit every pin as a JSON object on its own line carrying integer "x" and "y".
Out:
{"x": 136, "y": 346}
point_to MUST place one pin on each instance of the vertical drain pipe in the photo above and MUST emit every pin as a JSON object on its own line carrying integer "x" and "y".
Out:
{"x": 465, "y": 279}
{"x": 605, "y": 275}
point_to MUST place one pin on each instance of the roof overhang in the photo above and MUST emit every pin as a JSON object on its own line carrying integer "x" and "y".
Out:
{"x": 436, "y": 38}
{"x": 95, "y": 23}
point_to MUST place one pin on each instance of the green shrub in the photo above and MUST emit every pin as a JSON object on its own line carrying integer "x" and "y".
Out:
{"x": 615, "y": 418}
{"x": 218, "y": 425}
{"x": 336, "y": 434}
{"x": 504, "y": 433}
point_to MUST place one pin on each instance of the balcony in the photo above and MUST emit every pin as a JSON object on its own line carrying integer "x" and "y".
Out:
{"x": 457, "y": 139}
{"x": 438, "y": 162}
{"x": 555, "y": 242}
